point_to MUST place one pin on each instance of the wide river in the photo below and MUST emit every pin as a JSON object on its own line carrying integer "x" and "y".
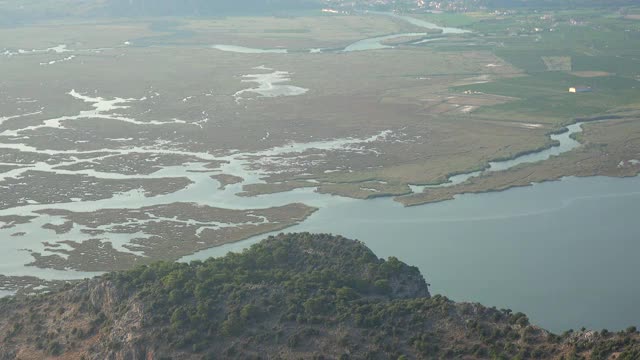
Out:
{"x": 563, "y": 252}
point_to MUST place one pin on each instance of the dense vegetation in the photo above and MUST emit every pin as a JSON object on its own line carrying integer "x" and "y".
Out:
{"x": 308, "y": 279}
{"x": 291, "y": 296}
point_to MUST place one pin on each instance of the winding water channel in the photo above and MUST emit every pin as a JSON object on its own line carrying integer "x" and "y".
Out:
{"x": 549, "y": 249}
{"x": 374, "y": 43}
{"x": 564, "y": 142}
{"x": 563, "y": 247}
{"x": 564, "y": 252}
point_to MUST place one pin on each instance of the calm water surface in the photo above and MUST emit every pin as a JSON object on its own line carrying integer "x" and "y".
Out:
{"x": 564, "y": 252}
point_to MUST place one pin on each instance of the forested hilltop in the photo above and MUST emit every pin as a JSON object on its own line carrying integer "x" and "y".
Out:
{"x": 292, "y": 296}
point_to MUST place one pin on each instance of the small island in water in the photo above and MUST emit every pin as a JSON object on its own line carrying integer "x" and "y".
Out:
{"x": 292, "y": 296}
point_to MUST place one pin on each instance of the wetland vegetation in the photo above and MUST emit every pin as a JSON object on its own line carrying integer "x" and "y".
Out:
{"x": 129, "y": 136}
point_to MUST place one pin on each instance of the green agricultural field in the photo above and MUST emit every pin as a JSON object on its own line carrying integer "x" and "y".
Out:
{"x": 367, "y": 123}
{"x": 545, "y": 96}
{"x": 454, "y": 19}
{"x": 556, "y": 50}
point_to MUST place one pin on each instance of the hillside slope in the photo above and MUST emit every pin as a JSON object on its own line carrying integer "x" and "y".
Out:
{"x": 15, "y": 12}
{"x": 292, "y": 296}
{"x": 20, "y": 12}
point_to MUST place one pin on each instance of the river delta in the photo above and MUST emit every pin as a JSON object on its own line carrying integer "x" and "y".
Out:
{"x": 96, "y": 178}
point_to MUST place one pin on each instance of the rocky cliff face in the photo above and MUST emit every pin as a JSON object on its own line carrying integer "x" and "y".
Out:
{"x": 289, "y": 297}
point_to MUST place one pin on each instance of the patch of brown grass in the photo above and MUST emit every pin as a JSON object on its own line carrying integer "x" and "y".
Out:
{"x": 590, "y": 74}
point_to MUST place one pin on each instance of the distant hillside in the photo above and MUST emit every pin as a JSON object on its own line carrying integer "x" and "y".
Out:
{"x": 551, "y": 3}
{"x": 289, "y": 297}
{"x": 16, "y": 12}
{"x": 203, "y": 7}
{"x": 473, "y": 5}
